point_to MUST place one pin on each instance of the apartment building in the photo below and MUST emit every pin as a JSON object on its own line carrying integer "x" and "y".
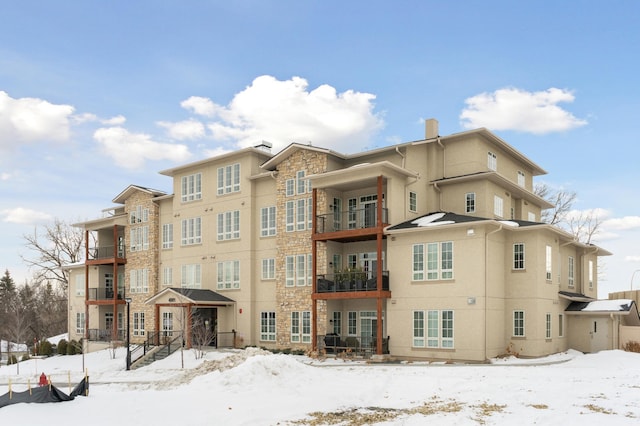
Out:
{"x": 430, "y": 249}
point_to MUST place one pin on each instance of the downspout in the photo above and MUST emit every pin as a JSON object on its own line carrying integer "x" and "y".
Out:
{"x": 401, "y": 155}
{"x": 437, "y": 188}
{"x": 486, "y": 279}
{"x": 444, "y": 156}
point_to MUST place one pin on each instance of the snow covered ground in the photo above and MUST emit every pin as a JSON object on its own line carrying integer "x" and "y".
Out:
{"x": 254, "y": 387}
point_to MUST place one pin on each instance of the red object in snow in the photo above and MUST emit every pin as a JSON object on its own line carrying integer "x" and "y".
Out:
{"x": 43, "y": 380}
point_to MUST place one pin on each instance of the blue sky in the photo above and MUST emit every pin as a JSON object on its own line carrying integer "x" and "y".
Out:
{"x": 82, "y": 82}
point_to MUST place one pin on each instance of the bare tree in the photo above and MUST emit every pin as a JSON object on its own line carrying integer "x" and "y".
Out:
{"x": 562, "y": 203}
{"x": 53, "y": 247}
{"x": 17, "y": 327}
{"x": 585, "y": 224}
{"x": 202, "y": 335}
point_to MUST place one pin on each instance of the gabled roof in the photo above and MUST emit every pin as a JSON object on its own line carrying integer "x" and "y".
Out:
{"x": 271, "y": 163}
{"x": 575, "y": 297}
{"x": 621, "y": 307}
{"x": 195, "y": 296}
{"x": 120, "y": 198}
{"x": 225, "y": 156}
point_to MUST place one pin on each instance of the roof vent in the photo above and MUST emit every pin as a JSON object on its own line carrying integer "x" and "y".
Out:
{"x": 264, "y": 146}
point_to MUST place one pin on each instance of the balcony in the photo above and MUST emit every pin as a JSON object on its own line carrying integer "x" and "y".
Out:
{"x": 105, "y": 294}
{"x": 351, "y": 345}
{"x": 106, "y": 252}
{"x": 350, "y": 281}
{"x": 350, "y": 220}
{"x": 103, "y": 335}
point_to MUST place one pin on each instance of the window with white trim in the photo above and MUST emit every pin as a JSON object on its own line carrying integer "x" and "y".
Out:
{"x": 290, "y": 216}
{"x": 518, "y": 323}
{"x": 191, "y": 187}
{"x": 300, "y": 182}
{"x": 521, "y": 179}
{"x": 80, "y": 319}
{"x": 229, "y": 225}
{"x": 301, "y": 326}
{"x": 167, "y": 276}
{"x": 498, "y": 206}
{"x": 290, "y": 187}
{"x": 139, "y": 281}
{"x": 138, "y": 214}
{"x": 548, "y": 257}
{"x": 591, "y": 274}
{"x": 167, "y": 235}
{"x": 298, "y": 270}
{"x": 518, "y": 256}
{"x": 352, "y": 323}
{"x": 413, "y": 201}
{"x": 547, "y": 323}
{"x": 268, "y": 221}
{"x": 571, "y": 271}
{"x": 268, "y": 326}
{"x": 191, "y": 276}
{"x": 531, "y": 217}
{"x": 438, "y": 262}
{"x": 138, "y": 323}
{"x": 229, "y": 275}
{"x": 268, "y": 269}
{"x": 167, "y": 323}
{"x": 337, "y": 322}
{"x": 492, "y": 161}
{"x": 191, "y": 232}
{"x": 301, "y": 214}
{"x": 139, "y": 238}
{"x": 80, "y": 287}
{"x": 433, "y": 329}
{"x": 470, "y": 202}
{"x": 229, "y": 179}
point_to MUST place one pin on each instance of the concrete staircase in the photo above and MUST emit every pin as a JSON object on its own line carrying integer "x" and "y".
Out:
{"x": 156, "y": 354}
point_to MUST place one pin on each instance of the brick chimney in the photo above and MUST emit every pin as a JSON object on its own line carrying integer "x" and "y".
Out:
{"x": 431, "y": 128}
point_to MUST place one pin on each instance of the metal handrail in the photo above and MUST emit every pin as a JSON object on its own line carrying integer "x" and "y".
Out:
{"x": 350, "y": 281}
{"x": 350, "y": 219}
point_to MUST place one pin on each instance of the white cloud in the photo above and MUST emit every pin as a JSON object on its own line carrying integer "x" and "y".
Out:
{"x": 32, "y": 119}
{"x": 89, "y": 117}
{"x": 184, "y": 130}
{"x": 632, "y": 258}
{"x": 118, "y": 120}
{"x": 200, "y": 106}
{"x": 285, "y": 111}
{"x": 23, "y": 216}
{"x": 516, "y": 109}
{"x": 623, "y": 223}
{"x": 5, "y": 176}
{"x": 131, "y": 150}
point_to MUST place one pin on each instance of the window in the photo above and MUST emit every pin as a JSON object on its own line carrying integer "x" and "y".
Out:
{"x": 290, "y": 212}
{"x": 548, "y": 262}
{"x": 138, "y": 214}
{"x": 229, "y": 179}
{"x": 306, "y": 326}
{"x": 191, "y": 276}
{"x": 268, "y": 221}
{"x": 571, "y": 272}
{"x": 191, "y": 187}
{"x": 229, "y": 225}
{"x": 298, "y": 270}
{"x": 337, "y": 322}
{"x": 591, "y": 274}
{"x": 301, "y": 326}
{"x": 268, "y": 269}
{"x": 289, "y": 187}
{"x": 437, "y": 332}
{"x": 191, "y": 231}
{"x": 309, "y": 213}
{"x": 167, "y": 276}
{"x": 521, "y": 180}
{"x": 561, "y": 325}
{"x": 229, "y": 275}
{"x": 352, "y": 215}
{"x": 439, "y": 261}
{"x": 268, "y": 326}
{"x": 518, "y": 323}
{"x": 139, "y": 281}
{"x": 518, "y": 256}
{"x": 470, "y": 202}
{"x": 80, "y": 323}
{"x": 138, "y": 323}
{"x": 418, "y": 262}
{"x": 301, "y": 214}
{"x": 167, "y": 236}
{"x": 352, "y": 323}
{"x": 531, "y": 217}
{"x": 139, "y": 238}
{"x": 300, "y": 182}
{"x": 492, "y": 161}
{"x": 547, "y": 326}
{"x": 498, "y": 206}
{"x": 80, "y": 285}
{"x": 167, "y": 323}
{"x": 413, "y": 201}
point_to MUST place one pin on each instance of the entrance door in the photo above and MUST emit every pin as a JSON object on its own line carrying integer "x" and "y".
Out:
{"x": 108, "y": 325}
{"x": 599, "y": 335}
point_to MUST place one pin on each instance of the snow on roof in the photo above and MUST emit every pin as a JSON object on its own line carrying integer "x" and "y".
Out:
{"x": 428, "y": 220}
{"x": 509, "y": 223}
{"x": 608, "y": 305}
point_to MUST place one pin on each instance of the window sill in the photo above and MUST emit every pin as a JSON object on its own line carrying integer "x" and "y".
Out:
{"x": 423, "y": 282}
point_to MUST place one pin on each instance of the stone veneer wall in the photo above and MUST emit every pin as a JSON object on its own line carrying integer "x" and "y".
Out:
{"x": 290, "y": 299}
{"x": 144, "y": 259}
